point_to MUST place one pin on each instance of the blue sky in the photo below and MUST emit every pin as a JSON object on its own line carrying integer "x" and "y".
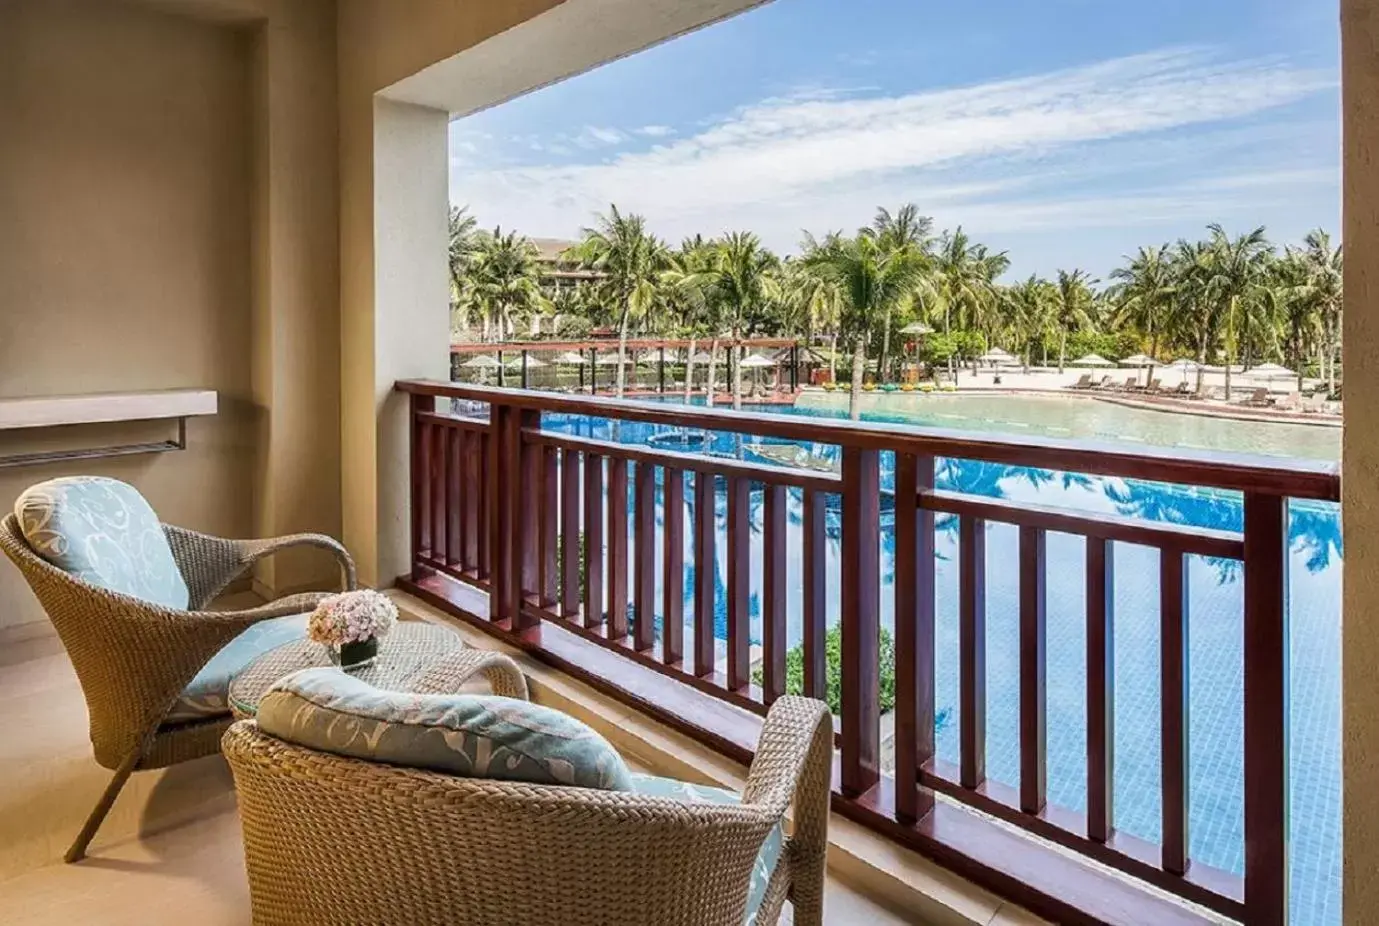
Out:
{"x": 1066, "y": 132}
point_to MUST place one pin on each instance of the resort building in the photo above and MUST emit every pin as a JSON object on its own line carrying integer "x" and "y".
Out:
{"x": 761, "y": 667}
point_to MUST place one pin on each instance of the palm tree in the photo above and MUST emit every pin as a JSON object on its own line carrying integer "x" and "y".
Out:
{"x": 1237, "y": 269}
{"x": 741, "y": 280}
{"x": 1032, "y": 304}
{"x": 505, "y": 281}
{"x": 1322, "y": 267}
{"x": 906, "y": 230}
{"x": 683, "y": 283}
{"x": 464, "y": 248}
{"x": 815, "y": 303}
{"x": 1144, "y": 294}
{"x": 632, "y": 260}
{"x": 1195, "y": 317}
{"x": 1073, "y": 307}
{"x": 965, "y": 275}
{"x": 874, "y": 278}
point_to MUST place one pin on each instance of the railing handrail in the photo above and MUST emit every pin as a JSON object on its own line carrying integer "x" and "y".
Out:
{"x": 1303, "y": 479}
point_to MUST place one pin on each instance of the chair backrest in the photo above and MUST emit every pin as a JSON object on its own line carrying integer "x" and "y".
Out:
{"x": 132, "y": 657}
{"x": 330, "y": 839}
{"x": 103, "y": 532}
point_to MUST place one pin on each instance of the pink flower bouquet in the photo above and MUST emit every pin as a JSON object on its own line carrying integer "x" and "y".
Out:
{"x": 351, "y": 623}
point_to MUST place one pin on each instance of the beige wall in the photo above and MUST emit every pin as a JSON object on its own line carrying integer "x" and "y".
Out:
{"x": 1360, "y": 464}
{"x": 296, "y": 356}
{"x": 124, "y": 243}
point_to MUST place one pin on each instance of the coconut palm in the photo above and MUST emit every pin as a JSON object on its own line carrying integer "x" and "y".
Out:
{"x": 1032, "y": 314}
{"x": 1074, "y": 304}
{"x": 464, "y": 248}
{"x": 632, "y": 261}
{"x": 505, "y": 281}
{"x": 1237, "y": 270}
{"x": 905, "y": 230}
{"x": 965, "y": 274}
{"x": 1322, "y": 267}
{"x": 742, "y": 280}
{"x": 815, "y": 304}
{"x": 874, "y": 278}
{"x": 1144, "y": 294}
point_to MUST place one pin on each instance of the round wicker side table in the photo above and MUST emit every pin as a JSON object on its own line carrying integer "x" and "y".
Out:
{"x": 416, "y": 657}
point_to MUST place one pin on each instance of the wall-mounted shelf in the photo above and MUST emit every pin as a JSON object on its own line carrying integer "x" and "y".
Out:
{"x": 104, "y": 408}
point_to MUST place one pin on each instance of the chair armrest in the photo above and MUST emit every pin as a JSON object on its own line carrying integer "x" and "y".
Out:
{"x": 255, "y": 550}
{"x": 209, "y": 563}
{"x": 794, "y": 762}
{"x": 453, "y": 670}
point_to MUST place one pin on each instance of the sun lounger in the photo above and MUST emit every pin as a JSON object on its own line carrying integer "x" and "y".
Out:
{"x": 1292, "y": 402}
{"x": 1106, "y": 384}
{"x": 1315, "y": 403}
{"x": 1258, "y": 399}
{"x": 1130, "y": 384}
{"x": 1155, "y": 387}
{"x": 1084, "y": 383}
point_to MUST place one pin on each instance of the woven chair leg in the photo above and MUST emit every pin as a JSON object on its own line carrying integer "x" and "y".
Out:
{"x": 88, "y": 831}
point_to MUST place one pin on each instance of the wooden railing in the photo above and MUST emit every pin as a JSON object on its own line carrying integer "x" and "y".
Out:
{"x": 539, "y": 521}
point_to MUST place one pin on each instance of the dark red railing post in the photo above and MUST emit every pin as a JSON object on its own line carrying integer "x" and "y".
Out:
{"x": 914, "y": 634}
{"x": 1101, "y": 689}
{"x": 421, "y": 484}
{"x": 673, "y": 571}
{"x": 617, "y": 548}
{"x": 570, "y": 555}
{"x": 972, "y": 649}
{"x": 773, "y": 593}
{"x": 1173, "y": 710}
{"x": 1033, "y": 665}
{"x": 593, "y": 540}
{"x": 738, "y": 580}
{"x": 815, "y": 601}
{"x": 513, "y": 521}
{"x": 1266, "y": 709}
{"x": 644, "y": 558}
{"x": 861, "y": 619}
{"x": 704, "y": 565}
{"x": 550, "y": 525}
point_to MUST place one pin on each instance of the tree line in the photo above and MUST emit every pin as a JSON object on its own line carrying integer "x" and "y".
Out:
{"x": 1220, "y": 299}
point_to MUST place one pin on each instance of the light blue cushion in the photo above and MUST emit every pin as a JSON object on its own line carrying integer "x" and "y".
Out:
{"x": 104, "y": 533}
{"x": 479, "y": 736}
{"x": 702, "y": 794}
{"x": 206, "y": 696}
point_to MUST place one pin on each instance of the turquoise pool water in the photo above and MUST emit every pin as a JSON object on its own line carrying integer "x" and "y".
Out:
{"x": 1216, "y": 731}
{"x": 1084, "y": 417}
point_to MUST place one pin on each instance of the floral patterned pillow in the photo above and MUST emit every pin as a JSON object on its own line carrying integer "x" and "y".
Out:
{"x": 103, "y": 532}
{"x": 478, "y": 736}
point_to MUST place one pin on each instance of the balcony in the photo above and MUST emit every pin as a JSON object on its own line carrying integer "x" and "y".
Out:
{"x": 564, "y": 535}
{"x": 248, "y": 197}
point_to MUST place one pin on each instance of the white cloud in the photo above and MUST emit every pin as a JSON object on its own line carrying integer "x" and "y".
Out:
{"x": 595, "y": 136}
{"x": 825, "y": 160}
{"x": 655, "y": 131}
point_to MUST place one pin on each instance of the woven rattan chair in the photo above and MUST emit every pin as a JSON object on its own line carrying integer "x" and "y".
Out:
{"x": 134, "y": 658}
{"x": 332, "y": 841}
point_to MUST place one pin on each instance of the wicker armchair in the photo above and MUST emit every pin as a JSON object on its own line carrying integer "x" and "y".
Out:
{"x": 331, "y": 841}
{"x": 134, "y": 658}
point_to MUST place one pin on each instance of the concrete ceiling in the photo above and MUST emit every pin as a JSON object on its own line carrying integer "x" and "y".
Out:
{"x": 566, "y": 40}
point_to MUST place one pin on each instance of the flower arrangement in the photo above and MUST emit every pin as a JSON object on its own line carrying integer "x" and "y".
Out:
{"x": 352, "y": 623}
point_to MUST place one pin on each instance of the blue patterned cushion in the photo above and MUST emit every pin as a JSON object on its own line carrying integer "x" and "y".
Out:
{"x": 702, "y": 794}
{"x": 480, "y": 736}
{"x": 206, "y": 696}
{"x": 104, "y": 533}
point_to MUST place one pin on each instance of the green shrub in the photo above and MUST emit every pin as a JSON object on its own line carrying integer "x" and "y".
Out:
{"x": 833, "y": 664}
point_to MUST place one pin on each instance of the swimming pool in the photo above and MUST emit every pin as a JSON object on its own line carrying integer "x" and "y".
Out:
{"x": 1215, "y": 635}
